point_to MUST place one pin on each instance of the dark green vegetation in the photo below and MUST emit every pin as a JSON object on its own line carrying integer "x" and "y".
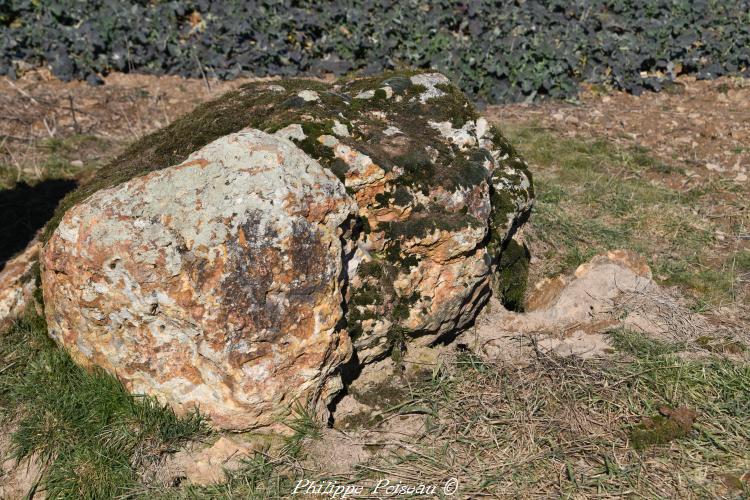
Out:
{"x": 594, "y": 196}
{"x": 499, "y": 51}
{"x": 91, "y": 437}
{"x": 657, "y": 430}
{"x": 510, "y": 279}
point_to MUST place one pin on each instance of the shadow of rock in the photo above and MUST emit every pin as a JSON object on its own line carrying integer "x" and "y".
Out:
{"x": 24, "y": 209}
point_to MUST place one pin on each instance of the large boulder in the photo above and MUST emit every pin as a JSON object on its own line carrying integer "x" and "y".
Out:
{"x": 231, "y": 260}
{"x": 214, "y": 283}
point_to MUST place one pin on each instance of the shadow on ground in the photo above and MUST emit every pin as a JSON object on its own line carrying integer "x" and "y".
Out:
{"x": 24, "y": 210}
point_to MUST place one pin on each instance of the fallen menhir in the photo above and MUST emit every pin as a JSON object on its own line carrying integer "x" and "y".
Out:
{"x": 236, "y": 258}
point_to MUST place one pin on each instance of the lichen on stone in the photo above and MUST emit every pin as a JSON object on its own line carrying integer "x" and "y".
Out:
{"x": 437, "y": 194}
{"x": 215, "y": 283}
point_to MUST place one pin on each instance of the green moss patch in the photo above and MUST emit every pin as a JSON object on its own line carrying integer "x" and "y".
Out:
{"x": 383, "y": 395}
{"x": 511, "y": 276}
{"x": 422, "y": 224}
{"x": 664, "y": 428}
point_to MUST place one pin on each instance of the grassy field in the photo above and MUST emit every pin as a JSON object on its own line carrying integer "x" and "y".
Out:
{"x": 593, "y": 196}
{"x": 621, "y": 426}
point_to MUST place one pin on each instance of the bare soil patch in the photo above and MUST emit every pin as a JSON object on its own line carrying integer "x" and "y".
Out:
{"x": 701, "y": 126}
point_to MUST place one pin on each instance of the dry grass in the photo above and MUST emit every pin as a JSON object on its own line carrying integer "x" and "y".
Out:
{"x": 560, "y": 427}
{"x": 594, "y": 196}
{"x": 556, "y": 427}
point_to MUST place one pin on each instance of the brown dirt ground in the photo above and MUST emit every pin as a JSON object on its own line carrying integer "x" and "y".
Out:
{"x": 702, "y": 125}
{"x": 39, "y": 107}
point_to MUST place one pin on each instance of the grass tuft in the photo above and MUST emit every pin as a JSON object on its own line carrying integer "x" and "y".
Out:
{"x": 93, "y": 435}
{"x": 642, "y": 346}
{"x": 305, "y": 427}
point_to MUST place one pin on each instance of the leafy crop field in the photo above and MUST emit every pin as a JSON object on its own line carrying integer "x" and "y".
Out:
{"x": 498, "y": 51}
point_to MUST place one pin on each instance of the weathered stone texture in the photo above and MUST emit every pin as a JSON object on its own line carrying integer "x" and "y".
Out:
{"x": 18, "y": 284}
{"x": 371, "y": 210}
{"x": 214, "y": 283}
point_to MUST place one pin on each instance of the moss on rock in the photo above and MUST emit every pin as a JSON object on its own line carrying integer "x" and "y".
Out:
{"x": 407, "y": 145}
{"x": 511, "y": 194}
{"x": 421, "y": 224}
{"x": 511, "y": 276}
{"x": 270, "y": 106}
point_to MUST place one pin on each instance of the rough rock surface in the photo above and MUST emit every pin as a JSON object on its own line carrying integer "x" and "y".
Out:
{"x": 572, "y": 315}
{"x": 215, "y": 283}
{"x": 150, "y": 276}
{"x": 199, "y": 465}
{"x": 18, "y": 283}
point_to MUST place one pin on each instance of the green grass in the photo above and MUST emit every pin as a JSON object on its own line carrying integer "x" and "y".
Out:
{"x": 305, "y": 427}
{"x": 742, "y": 261}
{"x": 594, "y": 196}
{"x": 53, "y": 159}
{"x": 92, "y": 435}
{"x": 641, "y": 346}
{"x": 562, "y": 427}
